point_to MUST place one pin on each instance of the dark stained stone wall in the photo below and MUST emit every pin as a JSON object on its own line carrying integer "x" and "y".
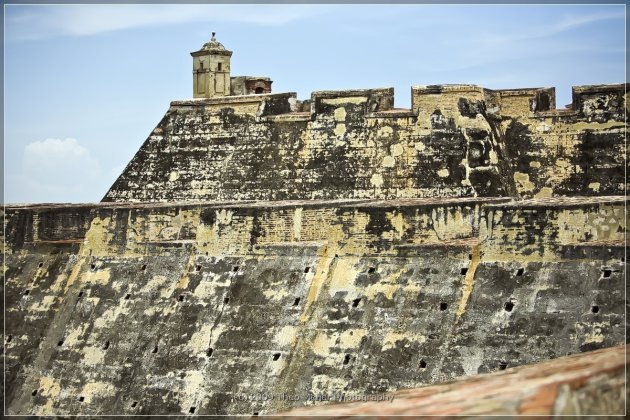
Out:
{"x": 455, "y": 141}
{"x": 163, "y": 308}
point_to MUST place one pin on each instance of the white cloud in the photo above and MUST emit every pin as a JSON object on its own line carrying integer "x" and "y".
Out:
{"x": 59, "y": 170}
{"x": 42, "y": 21}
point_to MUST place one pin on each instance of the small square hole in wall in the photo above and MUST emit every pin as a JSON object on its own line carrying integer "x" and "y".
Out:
{"x": 144, "y": 267}
{"x": 355, "y": 302}
{"x": 127, "y": 296}
{"x": 209, "y": 352}
{"x": 503, "y": 365}
{"x": 133, "y": 404}
{"x": 307, "y": 269}
{"x": 40, "y": 265}
{"x": 520, "y": 271}
{"x": 276, "y": 356}
{"x": 235, "y": 269}
{"x": 192, "y": 410}
{"x": 93, "y": 267}
{"x": 296, "y": 302}
{"x": 346, "y": 359}
{"x": 255, "y": 413}
{"x": 606, "y": 273}
{"x": 371, "y": 270}
{"x": 81, "y": 294}
{"x": 9, "y": 338}
{"x": 226, "y": 300}
{"x": 198, "y": 267}
{"x": 180, "y": 298}
{"x": 470, "y": 256}
{"x": 155, "y": 350}
{"x": 26, "y": 292}
{"x": 422, "y": 364}
{"x": 60, "y": 343}
{"x": 443, "y": 306}
{"x": 106, "y": 345}
{"x": 463, "y": 271}
{"x": 595, "y": 309}
{"x": 508, "y": 306}
{"x": 34, "y": 392}
{"x": 81, "y": 398}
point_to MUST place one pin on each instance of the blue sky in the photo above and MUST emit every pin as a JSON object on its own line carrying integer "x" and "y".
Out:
{"x": 86, "y": 84}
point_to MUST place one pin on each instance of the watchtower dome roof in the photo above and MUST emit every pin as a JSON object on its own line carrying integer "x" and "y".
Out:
{"x": 213, "y": 45}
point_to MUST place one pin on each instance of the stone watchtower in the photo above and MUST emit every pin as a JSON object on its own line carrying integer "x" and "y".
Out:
{"x": 211, "y": 70}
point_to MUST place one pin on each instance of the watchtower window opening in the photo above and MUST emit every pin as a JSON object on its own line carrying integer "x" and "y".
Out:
{"x": 259, "y": 90}
{"x": 219, "y": 66}
{"x": 201, "y": 65}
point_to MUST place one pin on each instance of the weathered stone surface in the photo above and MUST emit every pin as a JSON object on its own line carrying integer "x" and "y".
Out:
{"x": 585, "y": 384}
{"x": 158, "y": 308}
{"x": 455, "y": 141}
{"x": 261, "y": 253}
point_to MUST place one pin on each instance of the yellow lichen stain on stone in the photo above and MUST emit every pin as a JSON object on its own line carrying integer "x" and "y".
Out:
{"x": 193, "y": 385}
{"x": 340, "y": 129}
{"x": 200, "y": 339}
{"x": 96, "y": 277}
{"x": 390, "y": 339}
{"x": 544, "y": 193}
{"x": 97, "y": 390}
{"x": 98, "y": 237}
{"x": 523, "y": 182}
{"x": 494, "y": 159}
{"x": 351, "y": 338}
{"x": 43, "y": 305}
{"x": 419, "y": 146}
{"x": 93, "y": 356}
{"x": 286, "y": 335}
{"x": 443, "y": 173}
{"x": 534, "y": 164}
{"x": 322, "y": 344}
{"x": 397, "y": 221}
{"x": 388, "y": 162}
{"x": 344, "y": 100}
{"x": 384, "y": 131}
{"x": 174, "y": 175}
{"x": 109, "y": 316}
{"x": 340, "y": 114}
{"x": 72, "y": 337}
{"x": 224, "y": 217}
{"x": 50, "y": 388}
{"x": 595, "y": 334}
{"x": 377, "y": 180}
{"x": 276, "y": 293}
{"x": 594, "y": 186}
{"x": 397, "y": 149}
{"x": 343, "y": 276}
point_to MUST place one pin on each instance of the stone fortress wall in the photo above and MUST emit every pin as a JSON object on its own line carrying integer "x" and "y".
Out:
{"x": 258, "y": 246}
{"x": 455, "y": 141}
{"x": 167, "y": 308}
